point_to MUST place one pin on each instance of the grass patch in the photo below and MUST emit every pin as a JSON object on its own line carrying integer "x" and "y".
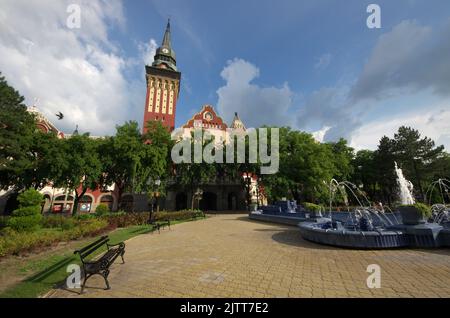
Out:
{"x": 50, "y": 271}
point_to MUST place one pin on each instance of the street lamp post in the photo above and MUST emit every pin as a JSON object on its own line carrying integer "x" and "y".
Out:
{"x": 155, "y": 194}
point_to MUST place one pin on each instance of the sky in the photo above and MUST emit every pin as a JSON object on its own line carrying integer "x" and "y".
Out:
{"x": 311, "y": 65}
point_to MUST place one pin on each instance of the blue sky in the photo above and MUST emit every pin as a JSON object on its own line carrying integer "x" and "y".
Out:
{"x": 313, "y": 65}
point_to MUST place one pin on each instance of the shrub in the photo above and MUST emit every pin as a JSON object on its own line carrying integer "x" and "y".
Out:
{"x": 128, "y": 219}
{"x": 59, "y": 221}
{"x": 101, "y": 209}
{"x": 3, "y": 221}
{"x": 28, "y": 216}
{"x": 84, "y": 216}
{"x": 30, "y": 197}
{"x": 424, "y": 209}
{"x": 312, "y": 207}
{"x": 26, "y": 223}
{"x": 12, "y": 242}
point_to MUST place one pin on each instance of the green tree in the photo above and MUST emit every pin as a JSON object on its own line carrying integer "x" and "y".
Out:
{"x": 46, "y": 158}
{"x": 384, "y": 158}
{"x": 17, "y": 126}
{"x": 342, "y": 159}
{"x": 154, "y": 168}
{"x": 83, "y": 169}
{"x": 28, "y": 216}
{"x": 191, "y": 175}
{"x": 120, "y": 156}
{"x": 365, "y": 172}
{"x": 306, "y": 167}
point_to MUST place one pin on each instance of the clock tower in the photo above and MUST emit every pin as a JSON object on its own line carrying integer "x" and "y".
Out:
{"x": 163, "y": 85}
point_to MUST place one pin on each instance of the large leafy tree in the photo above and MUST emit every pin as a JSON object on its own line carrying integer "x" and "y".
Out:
{"x": 365, "y": 172}
{"x": 120, "y": 156}
{"x": 306, "y": 167}
{"x": 154, "y": 167}
{"x": 17, "y": 126}
{"x": 245, "y": 172}
{"x": 82, "y": 169}
{"x": 384, "y": 159}
{"x": 47, "y": 160}
{"x": 342, "y": 159}
{"x": 191, "y": 175}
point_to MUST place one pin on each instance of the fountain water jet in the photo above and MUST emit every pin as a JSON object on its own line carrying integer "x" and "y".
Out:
{"x": 405, "y": 187}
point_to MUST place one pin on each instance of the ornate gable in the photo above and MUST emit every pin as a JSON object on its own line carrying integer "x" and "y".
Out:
{"x": 209, "y": 119}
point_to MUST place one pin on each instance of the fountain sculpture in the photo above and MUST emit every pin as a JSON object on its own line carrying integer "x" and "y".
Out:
{"x": 366, "y": 226}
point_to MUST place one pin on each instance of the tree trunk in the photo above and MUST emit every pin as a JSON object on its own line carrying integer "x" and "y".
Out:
{"x": 419, "y": 181}
{"x": 192, "y": 200}
{"x": 76, "y": 200}
{"x": 120, "y": 189}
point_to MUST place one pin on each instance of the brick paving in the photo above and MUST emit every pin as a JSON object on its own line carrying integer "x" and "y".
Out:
{"x": 231, "y": 256}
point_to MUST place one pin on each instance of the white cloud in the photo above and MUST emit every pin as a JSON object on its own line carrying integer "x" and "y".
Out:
{"x": 408, "y": 58}
{"x": 433, "y": 122}
{"x": 79, "y": 72}
{"x": 147, "y": 51}
{"x": 256, "y": 105}
{"x": 329, "y": 109}
{"x": 319, "y": 135}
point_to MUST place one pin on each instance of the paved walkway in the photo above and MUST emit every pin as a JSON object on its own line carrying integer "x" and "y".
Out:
{"x": 230, "y": 256}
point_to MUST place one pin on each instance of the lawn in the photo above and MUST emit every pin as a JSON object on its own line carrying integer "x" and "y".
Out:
{"x": 49, "y": 270}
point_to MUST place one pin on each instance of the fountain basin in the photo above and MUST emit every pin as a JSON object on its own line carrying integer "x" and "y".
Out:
{"x": 423, "y": 235}
{"x": 377, "y": 239}
{"x": 428, "y": 235}
{"x": 282, "y": 218}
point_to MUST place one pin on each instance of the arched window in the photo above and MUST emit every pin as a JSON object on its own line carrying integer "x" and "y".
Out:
{"x": 108, "y": 200}
{"x": 60, "y": 198}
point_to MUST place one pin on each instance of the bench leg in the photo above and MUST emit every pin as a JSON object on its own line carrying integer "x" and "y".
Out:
{"x": 121, "y": 255}
{"x": 82, "y": 285}
{"x": 84, "y": 282}
{"x": 105, "y": 276}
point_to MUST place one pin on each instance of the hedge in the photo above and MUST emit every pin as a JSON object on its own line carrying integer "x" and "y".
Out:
{"x": 312, "y": 207}
{"x": 121, "y": 219}
{"x": 58, "y": 228}
{"x": 13, "y": 242}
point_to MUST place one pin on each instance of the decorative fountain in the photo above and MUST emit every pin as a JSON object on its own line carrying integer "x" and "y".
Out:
{"x": 440, "y": 212}
{"x": 372, "y": 227}
{"x": 284, "y": 212}
{"x": 367, "y": 226}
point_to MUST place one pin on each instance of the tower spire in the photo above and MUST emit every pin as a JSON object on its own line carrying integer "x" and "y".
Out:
{"x": 165, "y": 55}
{"x": 166, "y": 38}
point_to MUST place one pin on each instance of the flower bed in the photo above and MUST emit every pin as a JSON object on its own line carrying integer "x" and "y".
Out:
{"x": 54, "y": 229}
{"x": 127, "y": 219}
{"x": 15, "y": 243}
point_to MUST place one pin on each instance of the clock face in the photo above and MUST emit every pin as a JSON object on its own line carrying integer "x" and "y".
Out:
{"x": 165, "y": 50}
{"x": 208, "y": 116}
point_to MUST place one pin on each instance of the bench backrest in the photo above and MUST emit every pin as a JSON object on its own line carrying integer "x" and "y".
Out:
{"x": 89, "y": 249}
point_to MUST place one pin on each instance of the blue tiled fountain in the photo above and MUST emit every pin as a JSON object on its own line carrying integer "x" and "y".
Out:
{"x": 363, "y": 227}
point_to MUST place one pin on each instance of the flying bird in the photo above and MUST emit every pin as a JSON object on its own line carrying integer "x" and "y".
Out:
{"x": 59, "y": 115}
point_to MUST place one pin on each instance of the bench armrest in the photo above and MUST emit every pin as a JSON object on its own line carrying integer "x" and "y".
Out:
{"x": 121, "y": 244}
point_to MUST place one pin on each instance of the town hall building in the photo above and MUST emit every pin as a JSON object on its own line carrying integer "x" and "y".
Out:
{"x": 163, "y": 88}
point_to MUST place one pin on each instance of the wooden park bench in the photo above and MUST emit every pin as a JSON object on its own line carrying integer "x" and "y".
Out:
{"x": 199, "y": 214}
{"x": 101, "y": 264}
{"x": 159, "y": 224}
